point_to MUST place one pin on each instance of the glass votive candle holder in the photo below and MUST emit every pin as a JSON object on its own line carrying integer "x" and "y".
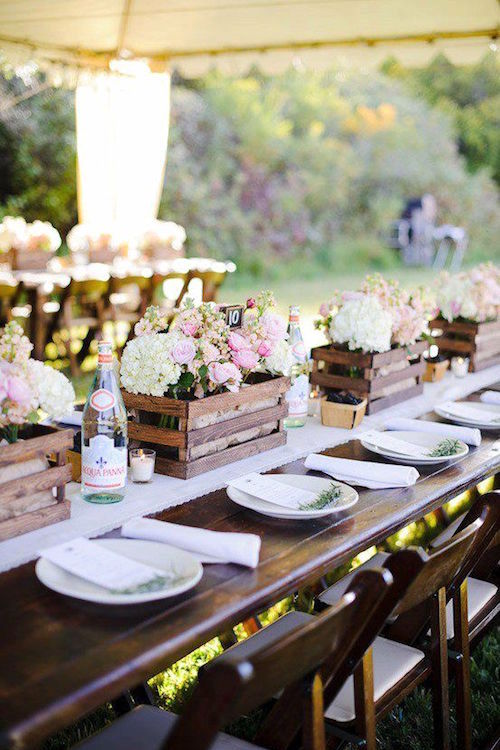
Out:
{"x": 460, "y": 366}
{"x": 142, "y": 464}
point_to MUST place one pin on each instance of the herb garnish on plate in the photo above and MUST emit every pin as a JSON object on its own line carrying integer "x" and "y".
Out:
{"x": 325, "y": 498}
{"x": 446, "y": 447}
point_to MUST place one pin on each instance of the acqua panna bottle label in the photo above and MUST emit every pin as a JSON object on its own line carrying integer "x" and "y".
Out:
{"x": 104, "y": 466}
{"x": 298, "y": 396}
{"x": 102, "y": 399}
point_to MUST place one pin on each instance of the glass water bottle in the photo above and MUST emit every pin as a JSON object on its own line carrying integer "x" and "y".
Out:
{"x": 298, "y": 395}
{"x": 104, "y": 435}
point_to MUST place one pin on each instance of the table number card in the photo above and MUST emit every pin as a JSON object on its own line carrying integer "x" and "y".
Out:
{"x": 266, "y": 488}
{"x": 234, "y": 315}
{"x": 385, "y": 440}
{"x": 98, "y": 565}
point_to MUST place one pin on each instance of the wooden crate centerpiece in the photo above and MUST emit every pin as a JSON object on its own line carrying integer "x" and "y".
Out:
{"x": 478, "y": 341}
{"x": 384, "y": 378}
{"x": 206, "y": 433}
{"x": 27, "y": 260}
{"x": 29, "y": 471}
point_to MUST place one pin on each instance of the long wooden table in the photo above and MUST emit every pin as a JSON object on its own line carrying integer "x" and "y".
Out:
{"x": 60, "y": 659}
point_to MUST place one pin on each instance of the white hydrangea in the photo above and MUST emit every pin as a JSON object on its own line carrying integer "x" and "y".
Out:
{"x": 146, "y": 365}
{"x": 280, "y": 361}
{"x": 56, "y": 395}
{"x": 456, "y": 297}
{"x": 362, "y": 323}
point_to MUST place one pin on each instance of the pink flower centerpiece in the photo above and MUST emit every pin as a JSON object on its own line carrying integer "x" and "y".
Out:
{"x": 472, "y": 295}
{"x": 200, "y": 354}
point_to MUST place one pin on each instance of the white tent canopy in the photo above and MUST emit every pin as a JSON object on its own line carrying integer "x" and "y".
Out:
{"x": 194, "y": 35}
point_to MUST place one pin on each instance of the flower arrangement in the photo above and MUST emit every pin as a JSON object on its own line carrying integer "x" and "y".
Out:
{"x": 379, "y": 315}
{"x": 17, "y": 234}
{"x": 472, "y": 295}
{"x": 86, "y": 239}
{"x": 200, "y": 354}
{"x": 27, "y": 385}
{"x": 163, "y": 237}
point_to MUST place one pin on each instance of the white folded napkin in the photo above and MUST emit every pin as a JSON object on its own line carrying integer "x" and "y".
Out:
{"x": 206, "y": 546}
{"x": 469, "y": 410}
{"x": 375, "y": 476}
{"x": 490, "y": 397}
{"x": 385, "y": 441}
{"x": 470, "y": 435}
{"x": 73, "y": 418}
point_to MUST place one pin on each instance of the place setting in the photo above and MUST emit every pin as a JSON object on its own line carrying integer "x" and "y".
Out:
{"x": 483, "y": 414}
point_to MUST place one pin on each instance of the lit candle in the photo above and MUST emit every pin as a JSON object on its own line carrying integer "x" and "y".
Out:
{"x": 142, "y": 464}
{"x": 460, "y": 366}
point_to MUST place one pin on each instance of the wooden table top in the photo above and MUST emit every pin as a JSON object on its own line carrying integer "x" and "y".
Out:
{"x": 60, "y": 659}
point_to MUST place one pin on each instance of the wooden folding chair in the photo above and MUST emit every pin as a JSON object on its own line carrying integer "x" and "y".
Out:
{"x": 387, "y": 674}
{"x": 8, "y": 291}
{"x": 235, "y": 682}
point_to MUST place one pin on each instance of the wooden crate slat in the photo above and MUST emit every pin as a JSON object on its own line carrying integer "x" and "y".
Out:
{"x": 477, "y": 365}
{"x": 36, "y": 519}
{"x": 479, "y": 341}
{"x": 489, "y": 344}
{"x": 413, "y": 371}
{"x": 463, "y": 327}
{"x": 253, "y": 392}
{"x": 236, "y": 424}
{"x": 161, "y": 435}
{"x": 42, "y": 480}
{"x": 337, "y": 356}
{"x": 156, "y": 404}
{"x": 42, "y": 444}
{"x": 399, "y": 353}
{"x": 455, "y": 345}
{"x": 188, "y": 469}
{"x": 340, "y": 382}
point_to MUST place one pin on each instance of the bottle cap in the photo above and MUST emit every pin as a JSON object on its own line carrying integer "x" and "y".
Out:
{"x": 105, "y": 352}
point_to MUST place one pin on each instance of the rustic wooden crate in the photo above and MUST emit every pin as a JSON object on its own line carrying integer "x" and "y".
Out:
{"x": 27, "y": 260}
{"x": 45, "y": 442}
{"x": 478, "y": 341}
{"x": 331, "y": 373}
{"x": 175, "y": 447}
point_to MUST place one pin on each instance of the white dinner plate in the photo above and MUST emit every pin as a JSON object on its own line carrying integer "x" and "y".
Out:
{"x": 348, "y": 498}
{"x": 422, "y": 439}
{"x": 488, "y": 409}
{"x": 182, "y": 569}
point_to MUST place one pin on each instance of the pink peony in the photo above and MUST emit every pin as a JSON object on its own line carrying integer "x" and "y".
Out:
{"x": 234, "y": 380}
{"x": 189, "y": 327}
{"x": 18, "y": 391}
{"x": 183, "y": 352}
{"x": 246, "y": 359}
{"x": 274, "y": 326}
{"x": 236, "y": 342}
{"x": 265, "y": 349}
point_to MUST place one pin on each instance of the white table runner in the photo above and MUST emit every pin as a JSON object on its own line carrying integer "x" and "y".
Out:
{"x": 165, "y": 492}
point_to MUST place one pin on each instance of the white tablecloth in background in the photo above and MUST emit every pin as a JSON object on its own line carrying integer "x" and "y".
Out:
{"x": 165, "y": 492}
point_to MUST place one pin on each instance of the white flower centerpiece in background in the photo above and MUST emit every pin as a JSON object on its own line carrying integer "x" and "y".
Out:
{"x": 200, "y": 354}
{"x": 163, "y": 239}
{"x": 378, "y": 316}
{"x": 92, "y": 243}
{"x": 18, "y": 234}
{"x": 28, "y": 387}
{"x": 472, "y": 295}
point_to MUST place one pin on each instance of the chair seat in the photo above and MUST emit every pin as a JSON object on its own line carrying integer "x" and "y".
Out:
{"x": 445, "y": 535}
{"x": 146, "y": 728}
{"x": 332, "y": 594}
{"x": 479, "y": 593}
{"x": 391, "y": 662}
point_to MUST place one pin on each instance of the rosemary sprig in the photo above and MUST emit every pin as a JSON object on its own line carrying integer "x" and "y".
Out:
{"x": 324, "y": 499}
{"x": 446, "y": 447}
{"x": 155, "y": 584}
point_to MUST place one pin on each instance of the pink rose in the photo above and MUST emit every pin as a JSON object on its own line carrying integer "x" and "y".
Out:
{"x": 250, "y": 303}
{"x": 236, "y": 342}
{"x": 218, "y": 372}
{"x": 274, "y": 326}
{"x": 234, "y": 379}
{"x": 183, "y": 352}
{"x": 265, "y": 348}
{"x": 324, "y": 310}
{"x": 246, "y": 359}
{"x": 18, "y": 391}
{"x": 189, "y": 327}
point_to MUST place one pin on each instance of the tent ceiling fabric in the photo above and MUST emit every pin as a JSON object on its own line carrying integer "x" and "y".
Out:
{"x": 194, "y": 35}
